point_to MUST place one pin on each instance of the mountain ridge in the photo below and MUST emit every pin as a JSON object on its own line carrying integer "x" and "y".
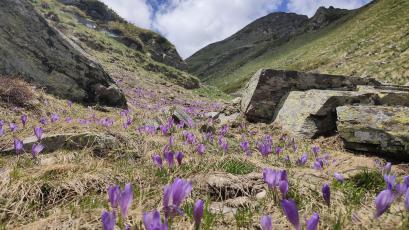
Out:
{"x": 315, "y": 47}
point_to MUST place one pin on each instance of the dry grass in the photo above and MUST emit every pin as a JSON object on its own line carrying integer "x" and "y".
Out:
{"x": 16, "y": 92}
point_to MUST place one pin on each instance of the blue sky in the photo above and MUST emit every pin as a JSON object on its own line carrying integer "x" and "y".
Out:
{"x": 192, "y": 24}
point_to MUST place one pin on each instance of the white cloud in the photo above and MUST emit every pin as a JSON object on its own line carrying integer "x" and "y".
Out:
{"x": 192, "y": 24}
{"x": 309, "y": 7}
{"x": 135, "y": 11}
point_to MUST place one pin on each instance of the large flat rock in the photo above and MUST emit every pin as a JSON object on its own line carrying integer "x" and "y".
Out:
{"x": 38, "y": 52}
{"x": 312, "y": 113}
{"x": 375, "y": 129}
{"x": 100, "y": 143}
{"x": 268, "y": 87}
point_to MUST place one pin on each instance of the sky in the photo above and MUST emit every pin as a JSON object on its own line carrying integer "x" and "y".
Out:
{"x": 192, "y": 24}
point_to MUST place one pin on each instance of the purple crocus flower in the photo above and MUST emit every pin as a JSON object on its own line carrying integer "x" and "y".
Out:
{"x": 114, "y": 192}
{"x": 152, "y": 221}
{"x": 400, "y": 189}
{"x": 318, "y": 164}
{"x": 312, "y": 223}
{"x": 387, "y": 168}
{"x": 390, "y": 181}
{"x": 69, "y": 103}
{"x": 266, "y": 223}
{"x": 24, "y": 120}
{"x": 164, "y": 130}
{"x": 170, "y": 158}
{"x": 198, "y": 212}
{"x": 303, "y": 159}
{"x": 13, "y": 127}
{"x": 316, "y": 150}
{"x": 36, "y": 149}
{"x": 125, "y": 200}
{"x": 68, "y": 119}
{"x": 225, "y": 146}
{"x": 43, "y": 120}
{"x": 54, "y": 117}
{"x": 179, "y": 157}
{"x": 171, "y": 140}
{"x": 173, "y": 196}
{"x": 283, "y": 185}
{"x": 157, "y": 160}
{"x": 108, "y": 220}
{"x": 326, "y": 194}
{"x": 245, "y": 146}
{"x": 273, "y": 177}
{"x": 127, "y": 122}
{"x": 339, "y": 177}
{"x": 383, "y": 201}
{"x": 18, "y": 145}
{"x": 38, "y": 132}
{"x": 201, "y": 149}
{"x": 1, "y": 131}
{"x": 224, "y": 130}
{"x": 278, "y": 150}
{"x": 291, "y": 212}
{"x": 264, "y": 148}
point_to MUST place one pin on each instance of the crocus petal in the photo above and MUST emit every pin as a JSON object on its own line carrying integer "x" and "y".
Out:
{"x": 152, "y": 221}
{"x": 383, "y": 201}
{"x": 283, "y": 187}
{"x": 326, "y": 194}
{"x": 108, "y": 220}
{"x": 38, "y": 132}
{"x": 36, "y": 149}
{"x": 339, "y": 177}
{"x": 113, "y": 195}
{"x": 266, "y": 223}
{"x": 387, "y": 168}
{"x": 125, "y": 200}
{"x": 312, "y": 223}
{"x": 291, "y": 212}
{"x": 18, "y": 145}
{"x": 198, "y": 211}
{"x": 179, "y": 157}
{"x": 157, "y": 160}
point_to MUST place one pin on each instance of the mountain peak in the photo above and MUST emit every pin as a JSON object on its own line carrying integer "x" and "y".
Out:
{"x": 325, "y": 16}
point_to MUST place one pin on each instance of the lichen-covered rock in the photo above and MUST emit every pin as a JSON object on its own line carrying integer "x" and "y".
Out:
{"x": 268, "y": 87}
{"x": 376, "y": 129}
{"x": 30, "y": 47}
{"x": 312, "y": 113}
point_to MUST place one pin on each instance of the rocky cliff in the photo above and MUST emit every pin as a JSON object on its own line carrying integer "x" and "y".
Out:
{"x": 30, "y": 47}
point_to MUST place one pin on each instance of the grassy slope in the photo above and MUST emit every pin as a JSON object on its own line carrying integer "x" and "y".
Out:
{"x": 373, "y": 42}
{"x": 108, "y": 51}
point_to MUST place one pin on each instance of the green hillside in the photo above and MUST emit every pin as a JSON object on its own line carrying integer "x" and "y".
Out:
{"x": 372, "y": 41}
{"x": 115, "y": 43}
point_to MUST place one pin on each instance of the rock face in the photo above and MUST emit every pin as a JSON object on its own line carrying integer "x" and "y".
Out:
{"x": 268, "y": 88}
{"x": 30, "y": 47}
{"x": 378, "y": 129}
{"x": 312, "y": 113}
{"x": 101, "y": 143}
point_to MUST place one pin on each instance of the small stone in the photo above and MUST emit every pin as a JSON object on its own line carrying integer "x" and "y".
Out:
{"x": 261, "y": 195}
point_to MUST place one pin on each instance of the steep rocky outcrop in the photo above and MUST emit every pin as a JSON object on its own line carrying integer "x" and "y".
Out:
{"x": 268, "y": 88}
{"x": 376, "y": 129}
{"x": 30, "y": 47}
{"x": 157, "y": 46}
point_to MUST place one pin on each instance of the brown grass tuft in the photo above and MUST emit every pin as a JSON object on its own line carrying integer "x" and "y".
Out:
{"x": 16, "y": 92}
